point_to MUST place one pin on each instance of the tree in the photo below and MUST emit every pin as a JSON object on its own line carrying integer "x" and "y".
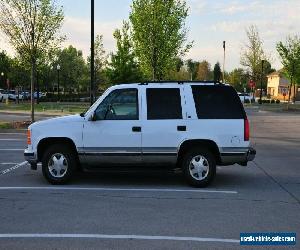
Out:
{"x": 31, "y": 27}
{"x": 253, "y": 53}
{"x": 100, "y": 61}
{"x": 159, "y": 34}
{"x": 178, "y": 64}
{"x": 217, "y": 72}
{"x": 5, "y": 67}
{"x": 192, "y": 68}
{"x": 72, "y": 68}
{"x": 290, "y": 58}
{"x": 204, "y": 71}
{"x": 123, "y": 67}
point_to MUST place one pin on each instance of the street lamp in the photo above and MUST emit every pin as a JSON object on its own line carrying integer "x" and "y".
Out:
{"x": 58, "y": 69}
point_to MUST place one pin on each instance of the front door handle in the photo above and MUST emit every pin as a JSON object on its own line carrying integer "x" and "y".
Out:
{"x": 136, "y": 129}
{"x": 181, "y": 128}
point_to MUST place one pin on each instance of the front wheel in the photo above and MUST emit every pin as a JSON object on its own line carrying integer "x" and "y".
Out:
{"x": 58, "y": 164}
{"x": 199, "y": 167}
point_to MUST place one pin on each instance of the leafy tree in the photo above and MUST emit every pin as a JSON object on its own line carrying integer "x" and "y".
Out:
{"x": 31, "y": 27}
{"x": 192, "y": 67}
{"x": 239, "y": 79}
{"x": 5, "y": 66}
{"x": 204, "y": 71}
{"x": 100, "y": 61}
{"x": 253, "y": 53}
{"x": 179, "y": 63}
{"x": 72, "y": 68}
{"x": 123, "y": 67}
{"x": 290, "y": 58}
{"x": 159, "y": 34}
{"x": 217, "y": 72}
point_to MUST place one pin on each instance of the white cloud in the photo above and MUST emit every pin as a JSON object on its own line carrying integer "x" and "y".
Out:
{"x": 78, "y": 33}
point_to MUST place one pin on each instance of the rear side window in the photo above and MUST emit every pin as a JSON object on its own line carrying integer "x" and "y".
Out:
{"x": 217, "y": 102}
{"x": 163, "y": 103}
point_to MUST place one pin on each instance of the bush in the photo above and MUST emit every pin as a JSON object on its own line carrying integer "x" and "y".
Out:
{"x": 277, "y": 101}
{"x": 272, "y": 101}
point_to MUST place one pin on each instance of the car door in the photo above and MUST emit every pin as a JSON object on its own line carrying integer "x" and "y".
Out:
{"x": 163, "y": 125}
{"x": 114, "y": 134}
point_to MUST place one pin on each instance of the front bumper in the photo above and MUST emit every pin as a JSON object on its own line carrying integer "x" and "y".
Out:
{"x": 30, "y": 156}
{"x": 230, "y": 156}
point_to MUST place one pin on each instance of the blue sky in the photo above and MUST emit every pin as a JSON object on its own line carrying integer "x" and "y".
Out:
{"x": 209, "y": 23}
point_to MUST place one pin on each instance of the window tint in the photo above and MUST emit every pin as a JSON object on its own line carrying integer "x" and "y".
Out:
{"x": 217, "y": 102}
{"x": 163, "y": 103}
{"x": 120, "y": 104}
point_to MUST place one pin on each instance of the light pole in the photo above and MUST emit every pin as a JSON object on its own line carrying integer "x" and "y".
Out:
{"x": 224, "y": 48}
{"x": 92, "y": 52}
{"x": 261, "y": 80}
{"x": 58, "y": 69}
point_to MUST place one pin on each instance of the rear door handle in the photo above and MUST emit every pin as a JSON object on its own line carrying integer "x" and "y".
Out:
{"x": 136, "y": 129}
{"x": 181, "y": 128}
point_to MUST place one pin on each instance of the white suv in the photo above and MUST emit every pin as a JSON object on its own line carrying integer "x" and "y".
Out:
{"x": 192, "y": 125}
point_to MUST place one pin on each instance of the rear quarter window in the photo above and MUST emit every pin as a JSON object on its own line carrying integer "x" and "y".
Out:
{"x": 217, "y": 102}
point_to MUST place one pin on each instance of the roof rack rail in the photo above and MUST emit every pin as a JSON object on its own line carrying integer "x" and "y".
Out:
{"x": 179, "y": 82}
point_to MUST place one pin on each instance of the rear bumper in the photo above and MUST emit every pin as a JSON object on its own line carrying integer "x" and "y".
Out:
{"x": 241, "y": 156}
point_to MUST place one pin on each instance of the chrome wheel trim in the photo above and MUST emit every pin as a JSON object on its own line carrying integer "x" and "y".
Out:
{"x": 199, "y": 167}
{"x": 58, "y": 165}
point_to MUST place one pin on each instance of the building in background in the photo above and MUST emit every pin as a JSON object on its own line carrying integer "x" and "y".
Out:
{"x": 278, "y": 87}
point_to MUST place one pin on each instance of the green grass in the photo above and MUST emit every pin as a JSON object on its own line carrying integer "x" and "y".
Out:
{"x": 5, "y": 125}
{"x": 52, "y": 107}
{"x": 276, "y": 107}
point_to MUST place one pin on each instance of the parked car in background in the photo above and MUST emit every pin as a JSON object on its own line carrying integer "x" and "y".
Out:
{"x": 41, "y": 94}
{"x": 13, "y": 95}
{"x": 245, "y": 97}
{"x": 1, "y": 95}
{"x": 26, "y": 95}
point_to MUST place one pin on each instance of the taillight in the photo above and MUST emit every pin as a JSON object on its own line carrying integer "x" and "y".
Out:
{"x": 246, "y": 130}
{"x": 28, "y": 137}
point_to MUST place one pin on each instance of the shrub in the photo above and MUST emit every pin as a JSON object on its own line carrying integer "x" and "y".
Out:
{"x": 272, "y": 101}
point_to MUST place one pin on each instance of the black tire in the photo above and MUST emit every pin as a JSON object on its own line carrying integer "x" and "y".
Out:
{"x": 208, "y": 160}
{"x": 70, "y": 159}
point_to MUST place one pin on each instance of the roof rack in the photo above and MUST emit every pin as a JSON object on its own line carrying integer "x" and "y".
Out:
{"x": 180, "y": 82}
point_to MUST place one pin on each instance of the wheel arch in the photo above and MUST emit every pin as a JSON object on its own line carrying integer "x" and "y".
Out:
{"x": 46, "y": 142}
{"x": 203, "y": 143}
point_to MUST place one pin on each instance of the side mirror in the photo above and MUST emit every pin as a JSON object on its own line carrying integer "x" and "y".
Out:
{"x": 93, "y": 117}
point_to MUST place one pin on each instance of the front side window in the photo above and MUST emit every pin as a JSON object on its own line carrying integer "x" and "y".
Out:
{"x": 163, "y": 103}
{"x": 120, "y": 104}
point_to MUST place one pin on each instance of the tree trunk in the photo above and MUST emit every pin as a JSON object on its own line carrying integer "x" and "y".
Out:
{"x": 33, "y": 70}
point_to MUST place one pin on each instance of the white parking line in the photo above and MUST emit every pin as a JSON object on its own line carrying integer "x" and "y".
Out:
{"x": 11, "y": 149}
{"x": 8, "y": 163}
{"x": 8, "y": 139}
{"x": 12, "y": 133}
{"x": 122, "y": 189}
{"x": 121, "y": 236}
{"x": 13, "y": 168}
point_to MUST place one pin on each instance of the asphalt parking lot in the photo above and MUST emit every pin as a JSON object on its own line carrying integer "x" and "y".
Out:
{"x": 155, "y": 210}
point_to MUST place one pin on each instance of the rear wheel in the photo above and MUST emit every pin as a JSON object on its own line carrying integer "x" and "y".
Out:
{"x": 199, "y": 167}
{"x": 58, "y": 164}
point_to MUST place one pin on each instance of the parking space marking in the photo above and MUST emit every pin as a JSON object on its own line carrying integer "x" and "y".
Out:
{"x": 12, "y": 133}
{"x": 122, "y": 189}
{"x": 8, "y": 163}
{"x": 120, "y": 236}
{"x": 12, "y": 139}
{"x": 13, "y": 168}
{"x": 11, "y": 149}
